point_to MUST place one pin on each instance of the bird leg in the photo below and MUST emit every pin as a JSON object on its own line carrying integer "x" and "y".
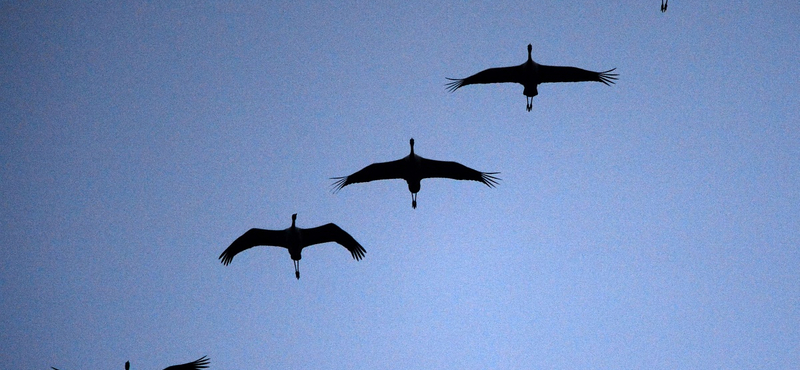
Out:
{"x": 297, "y": 269}
{"x": 414, "y": 200}
{"x": 529, "y": 102}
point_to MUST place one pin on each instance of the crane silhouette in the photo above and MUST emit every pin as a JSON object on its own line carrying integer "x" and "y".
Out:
{"x": 413, "y": 169}
{"x": 530, "y": 74}
{"x": 200, "y": 363}
{"x": 294, "y": 239}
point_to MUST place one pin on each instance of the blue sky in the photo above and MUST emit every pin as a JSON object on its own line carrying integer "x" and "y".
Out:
{"x": 649, "y": 224}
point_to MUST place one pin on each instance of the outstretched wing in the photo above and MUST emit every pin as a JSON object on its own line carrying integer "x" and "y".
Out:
{"x": 375, "y": 171}
{"x": 332, "y": 233}
{"x": 573, "y": 74}
{"x": 200, "y": 363}
{"x": 453, "y": 170}
{"x": 489, "y": 76}
{"x": 253, "y": 238}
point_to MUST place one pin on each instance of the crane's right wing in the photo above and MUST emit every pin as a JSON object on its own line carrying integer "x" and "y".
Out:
{"x": 457, "y": 171}
{"x": 574, "y": 74}
{"x": 489, "y": 76}
{"x": 332, "y": 233}
{"x": 375, "y": 171}
{"x": 200, "y": 363}
{"x": 252, "y": 238}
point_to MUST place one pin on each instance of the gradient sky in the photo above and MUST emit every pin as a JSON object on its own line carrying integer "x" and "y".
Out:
{"x": 649, "y": 224}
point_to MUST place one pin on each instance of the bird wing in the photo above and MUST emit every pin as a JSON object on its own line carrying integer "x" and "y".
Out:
{"x": 453, "y": 170}
{"x": 253, "y": 238}
{"x": 375, "y": 171}
{"x": 332, "y": 233}
{"x": 200, "y": 363}
{"x": 573, "y": 74}
{"x": 489, "y": 76}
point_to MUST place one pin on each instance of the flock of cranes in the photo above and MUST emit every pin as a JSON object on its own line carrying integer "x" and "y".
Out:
{"x": 411, "y": 168}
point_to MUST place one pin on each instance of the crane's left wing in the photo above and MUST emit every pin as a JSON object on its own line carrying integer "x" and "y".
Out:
{"x": 373, "y": 172}
{"x": 488, "y": 76}
{"x": 332, "y": 233}
{"x": 454, "y": 170}
{"x": 200, "y": 363}
{"x": 252, "y": 238}
{"x": 573, "y": 74}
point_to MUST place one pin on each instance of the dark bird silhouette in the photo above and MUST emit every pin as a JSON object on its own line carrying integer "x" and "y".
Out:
{"x": 664, "y": 5}
{"x": 530, "y": 74}
{"x": 413, "y": 169}
{"x": 200, "y": 363}
{"x": 294, "y": 239}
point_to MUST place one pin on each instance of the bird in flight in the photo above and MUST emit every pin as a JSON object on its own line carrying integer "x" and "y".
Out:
{"x": 294, "y": 239}
{"x": 413, "y": 169}
{"x": 530, "y": 74}
{"x": 200, "y": 363}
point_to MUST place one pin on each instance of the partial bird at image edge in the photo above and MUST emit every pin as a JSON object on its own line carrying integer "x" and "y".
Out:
{"x": 200, "y": 363}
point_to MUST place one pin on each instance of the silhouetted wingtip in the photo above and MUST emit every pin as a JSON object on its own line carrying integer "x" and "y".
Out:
{"x": 225, "y": 258}
{"x": 607, "y": 77}
{"x": 490, "y": 180}
{"x": 338, "y": 184}
{"x": 202, "y": 362}
{"x": 358, "y": 254}
{"x": 454, "y": 84}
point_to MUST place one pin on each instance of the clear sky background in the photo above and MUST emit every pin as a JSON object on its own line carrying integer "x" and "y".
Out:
{"x": 649, "y": 224}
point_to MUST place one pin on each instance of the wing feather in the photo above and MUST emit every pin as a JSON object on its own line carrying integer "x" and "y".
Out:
{"x": 373, "y": 172}
{"x": 573, "y": 74}
{"x": 454, "y": 170}
{"x": 489, "y": 76}
{"x": 332, "y": 233}
{"x": 252, "y": 238}
{"x": 200, "y": 363}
